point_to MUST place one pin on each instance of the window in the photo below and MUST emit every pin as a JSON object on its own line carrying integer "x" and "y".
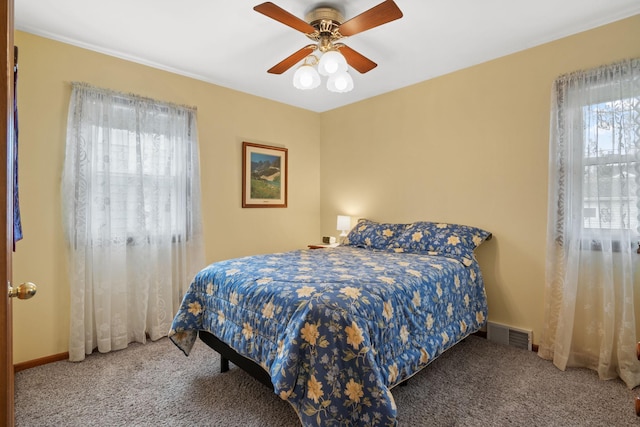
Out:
{"x": 610, "y": 165}
{"x": 141, "y": 177}
{"x": 595, "y": 158}
{"x": 592, "y": 264}
{"x": 131, "y": 200}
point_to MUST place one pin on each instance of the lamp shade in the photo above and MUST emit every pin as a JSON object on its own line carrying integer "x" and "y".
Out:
{"x": 340, "y": 82}
{"x": 306, "y": 77}
{"x": 332, "y": 62}
{"x": 344, "y": 224}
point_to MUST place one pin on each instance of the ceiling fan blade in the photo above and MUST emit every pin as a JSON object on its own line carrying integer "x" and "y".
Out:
{"x": 355, "y": 59}
{"x": 386, "y": 11}
{"x": 276, "y": 12}
{"x": 292, "y": 59}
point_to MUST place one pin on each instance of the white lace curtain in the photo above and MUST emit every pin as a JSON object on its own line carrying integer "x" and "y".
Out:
{"x": 131, "y": 208}
{"x": 593, "y": 228}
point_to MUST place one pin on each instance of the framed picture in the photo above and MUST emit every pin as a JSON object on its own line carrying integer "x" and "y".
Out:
{"x": 264, "y": 176}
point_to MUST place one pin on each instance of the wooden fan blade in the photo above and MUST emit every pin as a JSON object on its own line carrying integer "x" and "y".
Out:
{"x": 276, "y": 12}
{"x": 386, "y": 11}
{"x": 356, "y": 60}
{"x": 292, "y": 59}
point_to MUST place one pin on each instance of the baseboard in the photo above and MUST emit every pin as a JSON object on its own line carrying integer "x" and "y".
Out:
{"x": 38, "y": 362}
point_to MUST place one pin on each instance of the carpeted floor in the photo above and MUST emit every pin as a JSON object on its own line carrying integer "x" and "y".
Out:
{"x": 476, "y": 383}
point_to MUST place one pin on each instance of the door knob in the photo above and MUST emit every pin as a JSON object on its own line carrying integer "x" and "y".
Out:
{"x": 24, "y": 291}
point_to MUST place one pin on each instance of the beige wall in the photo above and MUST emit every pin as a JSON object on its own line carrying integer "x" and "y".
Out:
{"x": 469, "y": 147}
{"x": 225, "y": 119}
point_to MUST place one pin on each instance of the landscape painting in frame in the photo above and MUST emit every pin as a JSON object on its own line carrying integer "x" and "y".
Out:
{"x": 264, "y": 176}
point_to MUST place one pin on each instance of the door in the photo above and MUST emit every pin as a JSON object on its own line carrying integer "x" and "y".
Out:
{"x": 6, "y": 217}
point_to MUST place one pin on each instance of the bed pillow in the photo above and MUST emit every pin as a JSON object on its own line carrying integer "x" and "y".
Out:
{"x": 373, "y": 235}
{"x": 450, "y": 240}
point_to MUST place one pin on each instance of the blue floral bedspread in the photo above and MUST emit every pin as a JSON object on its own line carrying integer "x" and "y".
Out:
{"x": 336, "y": 328}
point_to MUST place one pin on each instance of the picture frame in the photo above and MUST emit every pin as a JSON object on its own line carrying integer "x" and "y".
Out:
{"x": 264, "y": 176}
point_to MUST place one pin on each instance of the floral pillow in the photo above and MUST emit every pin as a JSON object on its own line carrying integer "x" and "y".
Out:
{"x": 451, "y": 240}
{"x": 373, "y": 235}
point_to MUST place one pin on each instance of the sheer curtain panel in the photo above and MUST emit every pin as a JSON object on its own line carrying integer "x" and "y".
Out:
{"x": 131, "y": 211}
{"x": 593, "y": 222}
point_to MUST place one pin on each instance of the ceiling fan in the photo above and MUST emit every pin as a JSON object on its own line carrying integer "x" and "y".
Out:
{"x": 325, "y": 25}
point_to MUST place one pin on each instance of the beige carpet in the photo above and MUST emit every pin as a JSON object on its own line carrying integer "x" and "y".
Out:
{"x": 477, "y": 383}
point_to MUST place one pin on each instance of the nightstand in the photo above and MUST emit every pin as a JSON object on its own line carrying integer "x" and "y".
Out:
{"x": 323, "y": 246}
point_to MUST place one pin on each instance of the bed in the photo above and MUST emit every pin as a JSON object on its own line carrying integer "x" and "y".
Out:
{"x": 332, "y": 331}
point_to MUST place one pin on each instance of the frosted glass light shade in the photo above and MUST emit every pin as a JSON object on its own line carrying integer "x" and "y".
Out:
{"x": 344, "y": 224}
{"x": 332, "y": 62}
{"x": 340, "y": 82}
{"x": 306, "y": 77}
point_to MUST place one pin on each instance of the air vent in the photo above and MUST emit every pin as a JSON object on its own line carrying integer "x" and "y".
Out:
{"x": 508, "y": 335}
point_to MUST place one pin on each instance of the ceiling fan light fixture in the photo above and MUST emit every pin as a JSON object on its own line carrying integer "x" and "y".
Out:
{"x": 332, "y": 62}
{"x": 306, "y": 77}
{"x": 325, "y": 25}
{"x": 340, "y": 82}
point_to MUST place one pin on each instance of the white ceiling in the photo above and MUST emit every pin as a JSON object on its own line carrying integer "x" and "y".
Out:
{"x": 229, "y": 44}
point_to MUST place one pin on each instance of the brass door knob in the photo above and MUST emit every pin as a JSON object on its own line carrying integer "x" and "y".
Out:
{"x": 24, "y": 291}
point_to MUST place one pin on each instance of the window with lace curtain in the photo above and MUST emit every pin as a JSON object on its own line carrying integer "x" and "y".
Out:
{"x": 611, "y": 170}
{"x": 139, "y": 164}
{"x": 592, "y": 265}
{"x": 131, "y": 209}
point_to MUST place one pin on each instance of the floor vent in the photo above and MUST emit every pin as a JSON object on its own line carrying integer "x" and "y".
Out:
{"x": 507, "y": 335}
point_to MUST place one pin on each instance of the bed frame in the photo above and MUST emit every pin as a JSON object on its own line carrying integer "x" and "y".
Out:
{"x": 228, "y": 354}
